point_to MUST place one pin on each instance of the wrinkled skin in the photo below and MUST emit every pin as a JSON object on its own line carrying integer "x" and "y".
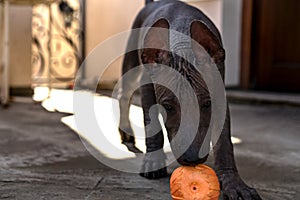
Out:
{"x": 171, "y": 14}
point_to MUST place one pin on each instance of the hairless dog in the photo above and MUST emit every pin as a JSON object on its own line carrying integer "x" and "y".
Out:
{"x": 182, "y": 55}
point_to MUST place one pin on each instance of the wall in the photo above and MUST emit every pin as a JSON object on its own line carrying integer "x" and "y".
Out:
{"x": 20, "y": 46}
{"x": 232, "y": 15}
{"x": 105, "y": 18}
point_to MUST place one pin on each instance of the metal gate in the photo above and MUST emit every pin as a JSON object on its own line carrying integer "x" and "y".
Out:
{"x": 57, "y": 40}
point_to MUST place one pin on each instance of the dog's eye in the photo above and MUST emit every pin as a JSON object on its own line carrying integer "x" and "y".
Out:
{"x": 168, "y": 107}
{"x": 207, "y": 104}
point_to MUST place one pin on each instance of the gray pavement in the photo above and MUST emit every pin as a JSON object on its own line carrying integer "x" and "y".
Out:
{"x": 40, "y": 158}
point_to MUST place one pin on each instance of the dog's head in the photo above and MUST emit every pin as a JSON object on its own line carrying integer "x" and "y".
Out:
{"x": 191, "y": 95}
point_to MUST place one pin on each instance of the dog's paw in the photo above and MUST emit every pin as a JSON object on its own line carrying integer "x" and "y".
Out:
{"x": 154, "y": 166}
{"x": 234, "y": 188}
{"x": 127, "y": 135}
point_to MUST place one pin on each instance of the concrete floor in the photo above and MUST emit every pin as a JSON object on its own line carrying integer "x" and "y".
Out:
{"x": 40, "y": 158}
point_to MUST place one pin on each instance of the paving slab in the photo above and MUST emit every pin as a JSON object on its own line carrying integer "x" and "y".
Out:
{"x": 41, "y": 158}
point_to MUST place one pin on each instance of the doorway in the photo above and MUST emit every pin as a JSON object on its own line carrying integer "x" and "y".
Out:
{"x": 271, "y": 42}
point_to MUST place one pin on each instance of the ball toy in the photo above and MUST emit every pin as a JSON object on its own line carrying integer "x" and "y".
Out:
{"x": 198, "y": 182}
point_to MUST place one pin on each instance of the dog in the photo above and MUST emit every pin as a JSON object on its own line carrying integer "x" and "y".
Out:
{"x": 173, "y": 15}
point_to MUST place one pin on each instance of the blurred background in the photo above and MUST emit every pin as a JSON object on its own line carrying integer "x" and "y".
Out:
{"x": 43, "y": 43}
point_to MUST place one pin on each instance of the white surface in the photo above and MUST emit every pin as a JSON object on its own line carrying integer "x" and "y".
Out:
{"x": 232, "y": 15}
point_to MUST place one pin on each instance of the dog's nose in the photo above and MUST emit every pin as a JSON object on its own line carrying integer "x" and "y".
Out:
{"x": 191, "y": 161}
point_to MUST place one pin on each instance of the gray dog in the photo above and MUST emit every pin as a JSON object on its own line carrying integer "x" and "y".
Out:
{"x": 176, "y": 15}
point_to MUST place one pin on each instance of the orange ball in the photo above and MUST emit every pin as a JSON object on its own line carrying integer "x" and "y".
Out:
{"x": 194, "y": 183}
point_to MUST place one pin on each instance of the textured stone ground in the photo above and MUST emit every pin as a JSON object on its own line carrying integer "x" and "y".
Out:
{"x": 40, "y": 158}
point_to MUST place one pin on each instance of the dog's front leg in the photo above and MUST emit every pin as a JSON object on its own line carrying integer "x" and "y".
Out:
{"x": 233, "y": 187}
{"x": 154, "y": 164}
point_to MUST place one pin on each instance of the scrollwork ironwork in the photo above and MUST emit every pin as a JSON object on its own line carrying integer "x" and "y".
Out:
{"x": 56, "y": 42}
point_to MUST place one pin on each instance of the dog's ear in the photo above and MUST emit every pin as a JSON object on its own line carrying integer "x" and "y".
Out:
{"x": 206, "y": 38}
{"x": 156, "y": 43}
